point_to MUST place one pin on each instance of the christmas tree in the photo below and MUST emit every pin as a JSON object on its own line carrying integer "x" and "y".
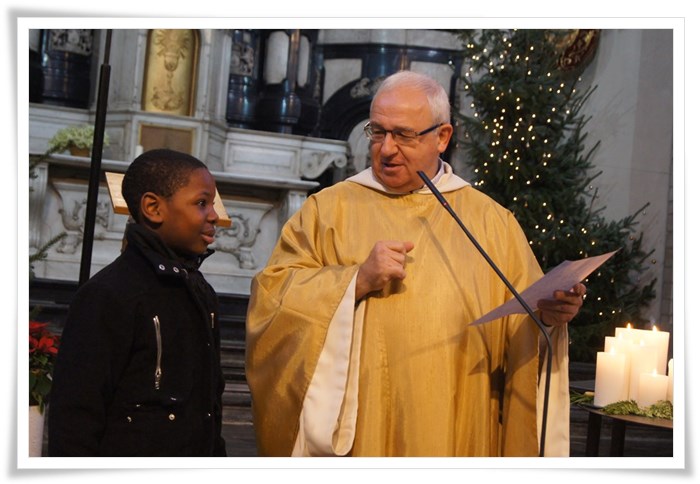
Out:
{"x": 526, "y": 144}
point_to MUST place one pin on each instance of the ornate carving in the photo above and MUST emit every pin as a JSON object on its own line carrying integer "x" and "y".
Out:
{"x": 314, "y": 163}
{"x": 238, "y": 240}
{"x": 366, "y": 87}
{"x": 73, "y": 219}
{"x": 242, "y": 59}
{"x": 577, "y": 48}
{"x": 75, "y": 41}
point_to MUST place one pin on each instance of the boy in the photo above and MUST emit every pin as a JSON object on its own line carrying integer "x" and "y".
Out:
{"x": 138, "y": 372}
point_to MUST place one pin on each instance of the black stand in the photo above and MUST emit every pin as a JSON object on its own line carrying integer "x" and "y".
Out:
{"x": 515, "y": 293}
{"x": 95, "y": 166}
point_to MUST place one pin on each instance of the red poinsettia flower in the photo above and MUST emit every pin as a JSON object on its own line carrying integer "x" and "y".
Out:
{"x": 43, "y": 348}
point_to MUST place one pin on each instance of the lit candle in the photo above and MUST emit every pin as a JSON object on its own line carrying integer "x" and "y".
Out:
{"x": 629, "y": 334}
{"x": 659, "y": 340}
{"x": 610, "y": 378}
{"x": 642, "y": 360}
{"x": 669, "y": 392}
{"x": 652, "y": 388}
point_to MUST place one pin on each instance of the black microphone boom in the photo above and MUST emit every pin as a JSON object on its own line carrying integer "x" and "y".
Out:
{"x": 515, "y": 293}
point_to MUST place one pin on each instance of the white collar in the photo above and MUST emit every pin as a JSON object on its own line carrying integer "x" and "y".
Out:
{"x": 445, "y": 180}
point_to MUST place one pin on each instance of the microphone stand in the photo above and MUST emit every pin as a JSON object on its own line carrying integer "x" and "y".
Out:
{"x": 515, "y": 293}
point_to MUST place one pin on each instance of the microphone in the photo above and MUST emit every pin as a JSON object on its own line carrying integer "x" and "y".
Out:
{"x": 515, "y": 293}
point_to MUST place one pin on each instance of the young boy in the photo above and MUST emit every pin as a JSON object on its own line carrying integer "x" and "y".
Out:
{"x": 138, "y": 372}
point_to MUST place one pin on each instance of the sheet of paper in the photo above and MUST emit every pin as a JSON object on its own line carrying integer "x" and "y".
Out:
{"x": 562, "y": 277}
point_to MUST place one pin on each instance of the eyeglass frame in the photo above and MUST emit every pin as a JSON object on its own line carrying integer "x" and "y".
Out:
{"x": 401, "y": 138}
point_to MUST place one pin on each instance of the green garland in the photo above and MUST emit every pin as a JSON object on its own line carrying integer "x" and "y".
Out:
{"x": 661, "y": 409}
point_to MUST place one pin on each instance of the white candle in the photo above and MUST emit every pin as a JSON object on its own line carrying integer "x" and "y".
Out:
{"x": 652, "y": 388}
{"x": 610, "y": 378}
{"x": 621, "y": 346}
{"x": 642, "y": 360}
{"x": 628, "y": 333}
{"x": 659, "y": 340}
{"x": 669, "y": 391}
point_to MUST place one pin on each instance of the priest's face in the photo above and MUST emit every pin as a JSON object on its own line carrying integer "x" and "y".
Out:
{"x": 396, "y": 159}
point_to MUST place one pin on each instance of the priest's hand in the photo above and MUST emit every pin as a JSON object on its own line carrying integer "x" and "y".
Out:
{"x": 563, "y": 308}
{"x": 385, "y": 263}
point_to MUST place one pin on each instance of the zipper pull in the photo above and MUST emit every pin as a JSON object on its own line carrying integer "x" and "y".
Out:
{"x": 159, "y": 352}
{"x": 212, "y": 320}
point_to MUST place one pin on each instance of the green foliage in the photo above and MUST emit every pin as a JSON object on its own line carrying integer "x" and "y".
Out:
{"x": 527, "y": 144}
{"x": 79, "y": 136}
{"x": 581, "y": 398}
{"x": 661, "y": 409}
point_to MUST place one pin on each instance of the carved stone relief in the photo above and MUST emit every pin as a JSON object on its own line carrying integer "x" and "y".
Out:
{"x": 314, "y": 163}
{"x": 75, "y": 41}
{"x": 238, "y": 239}
{"x": 73, "y": 203}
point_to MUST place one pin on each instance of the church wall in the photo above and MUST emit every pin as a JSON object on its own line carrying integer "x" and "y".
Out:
{"x": 632, "y": 116}
{"x": 266, "y": 175}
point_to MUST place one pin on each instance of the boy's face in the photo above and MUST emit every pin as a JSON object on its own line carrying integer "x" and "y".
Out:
{"x": 188, "y": 216}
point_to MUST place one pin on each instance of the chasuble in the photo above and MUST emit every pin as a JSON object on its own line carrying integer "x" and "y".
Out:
{"x": 401, "y": 372}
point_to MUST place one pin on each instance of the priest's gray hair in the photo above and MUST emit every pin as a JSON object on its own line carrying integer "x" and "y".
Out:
{"x": 437, "y": 97}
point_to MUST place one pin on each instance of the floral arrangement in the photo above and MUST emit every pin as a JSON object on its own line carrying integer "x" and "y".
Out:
{"x": 43, "y": 348}
{"x": 78, "y": 136}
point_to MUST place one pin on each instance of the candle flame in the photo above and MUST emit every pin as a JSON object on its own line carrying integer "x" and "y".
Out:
{"x": 629, "y": 325}
{"x": 654, "y": 328}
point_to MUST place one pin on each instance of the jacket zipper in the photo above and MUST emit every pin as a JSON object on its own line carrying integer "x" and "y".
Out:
{"x": 159, "y": 352}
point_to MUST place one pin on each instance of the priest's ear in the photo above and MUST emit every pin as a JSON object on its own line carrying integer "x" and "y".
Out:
{"x": 152, "y": 208}
{"x": 444, "y": 134}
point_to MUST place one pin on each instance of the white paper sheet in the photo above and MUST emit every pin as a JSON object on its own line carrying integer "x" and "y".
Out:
{"x": 563, "y": 277}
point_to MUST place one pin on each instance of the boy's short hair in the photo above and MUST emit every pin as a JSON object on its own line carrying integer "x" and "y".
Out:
{"x": 160, "y": 171}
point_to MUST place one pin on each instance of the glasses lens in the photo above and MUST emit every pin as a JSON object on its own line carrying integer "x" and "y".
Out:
{"x": 375, "y": 134}
{"x": 403, "y": 136}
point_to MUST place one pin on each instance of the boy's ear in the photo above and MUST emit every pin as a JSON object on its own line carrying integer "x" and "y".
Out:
{"x": 151, "y": 207}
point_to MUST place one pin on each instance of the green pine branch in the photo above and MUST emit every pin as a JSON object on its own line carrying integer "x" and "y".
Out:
{"x": 529, "y": 149}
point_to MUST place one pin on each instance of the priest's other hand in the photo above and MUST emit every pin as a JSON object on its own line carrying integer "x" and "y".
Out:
{"x": 563, "y": 308}
{"x": 385, "y": 263}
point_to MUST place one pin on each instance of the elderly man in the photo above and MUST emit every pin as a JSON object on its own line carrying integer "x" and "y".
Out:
{"x": 358, "y": 335}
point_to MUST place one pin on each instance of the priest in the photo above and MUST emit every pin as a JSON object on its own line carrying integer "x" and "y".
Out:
{"x": 358, "y": 340}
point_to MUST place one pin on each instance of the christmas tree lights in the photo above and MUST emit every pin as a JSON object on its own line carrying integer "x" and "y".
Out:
{"x": 527, "y": 147}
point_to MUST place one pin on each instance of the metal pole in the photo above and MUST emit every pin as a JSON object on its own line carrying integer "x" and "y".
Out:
{"x": 95, "y": 165}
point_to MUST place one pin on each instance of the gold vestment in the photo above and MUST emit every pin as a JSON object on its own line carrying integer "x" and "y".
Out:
{"x": 429, "y": 383}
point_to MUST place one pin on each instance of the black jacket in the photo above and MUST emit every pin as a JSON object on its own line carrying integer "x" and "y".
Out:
{"x": 138, "y": 370}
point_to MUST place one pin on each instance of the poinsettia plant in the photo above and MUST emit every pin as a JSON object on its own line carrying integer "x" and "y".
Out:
{"x": 43, "y": 348}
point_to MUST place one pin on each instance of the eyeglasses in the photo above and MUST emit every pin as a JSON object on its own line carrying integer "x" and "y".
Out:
{"x": 400, "y": 136}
